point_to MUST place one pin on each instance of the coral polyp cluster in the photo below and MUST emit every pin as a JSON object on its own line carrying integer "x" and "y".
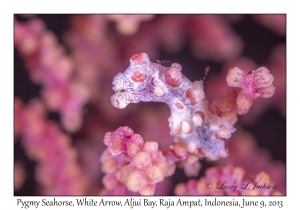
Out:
{"x": 132, "y": 162}
{"x": 135, "y": 165}
{"x": 200, "y": 126}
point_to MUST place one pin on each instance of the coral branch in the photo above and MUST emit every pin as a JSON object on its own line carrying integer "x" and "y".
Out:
{"x": 51, "y": 149}
{"x": 200, "y": 127}
{"x": 132, "y": 162}
{"x": 51, "y": 67}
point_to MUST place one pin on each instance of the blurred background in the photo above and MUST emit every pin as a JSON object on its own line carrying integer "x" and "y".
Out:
{"x": 63, "y": 70}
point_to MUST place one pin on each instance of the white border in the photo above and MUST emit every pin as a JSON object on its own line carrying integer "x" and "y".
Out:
{"x": 8, "y": 8}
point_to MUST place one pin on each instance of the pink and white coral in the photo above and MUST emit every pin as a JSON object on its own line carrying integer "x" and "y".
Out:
{"x": 131, "y": 163}
{"x": 136, "y": 164}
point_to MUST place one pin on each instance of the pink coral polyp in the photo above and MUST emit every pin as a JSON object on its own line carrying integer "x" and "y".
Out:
{"x": 132, "y": 162}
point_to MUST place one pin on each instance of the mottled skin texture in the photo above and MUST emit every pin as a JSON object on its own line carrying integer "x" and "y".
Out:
{"x": 202, "y": 129}
{"x": 146, "y": 81}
